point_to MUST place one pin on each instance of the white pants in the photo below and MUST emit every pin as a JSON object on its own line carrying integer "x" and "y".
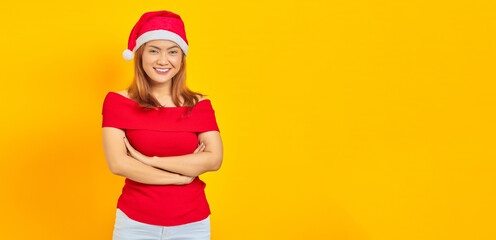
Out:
{"x": 126, "y": 228}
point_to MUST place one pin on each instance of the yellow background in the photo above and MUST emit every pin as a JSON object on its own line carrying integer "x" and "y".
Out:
{"x": 340, "y": 119}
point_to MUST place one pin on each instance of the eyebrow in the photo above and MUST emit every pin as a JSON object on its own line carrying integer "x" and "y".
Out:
{"x": 159, "y": 48}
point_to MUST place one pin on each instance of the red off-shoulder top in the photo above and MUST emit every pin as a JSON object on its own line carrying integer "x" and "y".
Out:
{"x": 162, "y": 132}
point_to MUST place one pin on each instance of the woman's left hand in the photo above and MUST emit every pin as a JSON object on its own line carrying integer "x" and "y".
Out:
{"x": 135, "y": 154}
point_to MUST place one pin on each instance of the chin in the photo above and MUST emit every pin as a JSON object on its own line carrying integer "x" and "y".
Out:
{"x": 160, "y": 80}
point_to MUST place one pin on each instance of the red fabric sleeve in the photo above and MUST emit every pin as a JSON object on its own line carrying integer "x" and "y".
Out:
{"x": 123, "y": 113}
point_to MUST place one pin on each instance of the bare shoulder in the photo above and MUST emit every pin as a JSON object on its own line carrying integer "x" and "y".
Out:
{"x": 123, "y": 93}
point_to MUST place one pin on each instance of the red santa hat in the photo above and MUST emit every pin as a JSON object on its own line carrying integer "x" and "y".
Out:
{"x": 156, "y": 25}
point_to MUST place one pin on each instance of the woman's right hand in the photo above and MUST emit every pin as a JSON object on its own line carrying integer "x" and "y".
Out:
{"x": 200, "y": 148}
{"x": 183, "y": 180}
{"x": 186, "y": 179}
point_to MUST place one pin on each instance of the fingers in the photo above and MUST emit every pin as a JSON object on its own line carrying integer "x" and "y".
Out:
{"x": 126, "y": 142}
{"x": 200, "y": 148}
{"x": 191, "y": 179}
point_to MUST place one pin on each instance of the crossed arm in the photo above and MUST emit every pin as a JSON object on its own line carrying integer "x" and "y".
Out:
{"x": 192, "y": 165}
{"x": 117, "y": 154}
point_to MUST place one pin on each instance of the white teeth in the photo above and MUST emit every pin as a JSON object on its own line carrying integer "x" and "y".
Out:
{"x": 162, "y": 70}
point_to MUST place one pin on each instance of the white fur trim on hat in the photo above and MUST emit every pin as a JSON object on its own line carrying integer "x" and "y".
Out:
{"x": 161, "y": 35}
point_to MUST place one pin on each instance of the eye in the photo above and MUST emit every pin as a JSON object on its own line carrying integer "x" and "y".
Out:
{"x": 153, "y": 51}
{"x": 173, "y": 52}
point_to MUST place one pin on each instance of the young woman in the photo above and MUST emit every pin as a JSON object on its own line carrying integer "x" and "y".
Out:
{"x": 160, "y": 136}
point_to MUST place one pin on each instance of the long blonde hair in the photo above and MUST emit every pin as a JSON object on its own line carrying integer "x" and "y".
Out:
{"x": 140, "y": 90}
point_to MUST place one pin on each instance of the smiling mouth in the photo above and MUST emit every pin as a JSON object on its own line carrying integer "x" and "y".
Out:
{"x": 162, "y": 69}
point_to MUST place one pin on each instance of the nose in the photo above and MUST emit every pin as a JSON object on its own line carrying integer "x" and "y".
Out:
{"x": 162, "y": 59}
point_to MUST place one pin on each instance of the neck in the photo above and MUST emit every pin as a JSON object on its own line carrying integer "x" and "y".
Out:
{"x": 160, "y": 91}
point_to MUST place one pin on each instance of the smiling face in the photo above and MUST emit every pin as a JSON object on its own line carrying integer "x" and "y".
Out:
{"x": 161, "y": 60}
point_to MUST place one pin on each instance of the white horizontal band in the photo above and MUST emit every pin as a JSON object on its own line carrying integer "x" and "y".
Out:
{"x": 161, "y": 35}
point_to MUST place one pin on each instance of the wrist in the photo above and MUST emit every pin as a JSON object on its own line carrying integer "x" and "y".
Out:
{"x": 151, "y": 160}
{"x": 181, "y": 180}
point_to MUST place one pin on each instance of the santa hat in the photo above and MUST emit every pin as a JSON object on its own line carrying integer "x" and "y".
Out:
{"x": 156, "y": 25}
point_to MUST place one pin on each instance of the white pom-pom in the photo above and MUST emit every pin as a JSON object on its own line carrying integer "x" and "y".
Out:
{"x": 128, "y": 54}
